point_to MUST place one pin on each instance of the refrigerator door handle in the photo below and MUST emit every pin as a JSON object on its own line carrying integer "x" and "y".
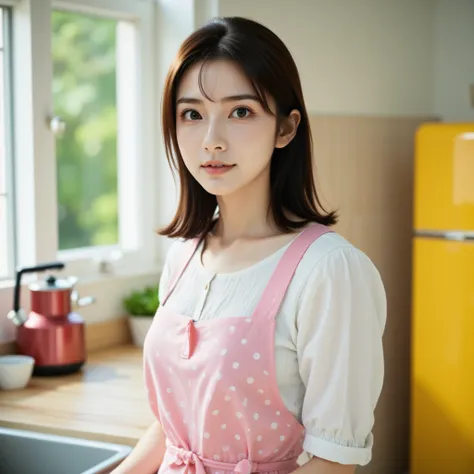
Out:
{"x": 446, "y": 235}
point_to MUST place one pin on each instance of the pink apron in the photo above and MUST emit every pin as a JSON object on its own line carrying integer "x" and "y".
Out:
{"x": 213, "y": 387}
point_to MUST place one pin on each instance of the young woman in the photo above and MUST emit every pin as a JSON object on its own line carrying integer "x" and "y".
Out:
{"x": 268, "y": 341}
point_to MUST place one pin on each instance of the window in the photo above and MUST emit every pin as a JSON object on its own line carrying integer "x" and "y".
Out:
{"x": 85, "y": 135}
{"x": 95, "y": 94}
{"x": 84, "y": 50}
{"x": 6, "y": 183}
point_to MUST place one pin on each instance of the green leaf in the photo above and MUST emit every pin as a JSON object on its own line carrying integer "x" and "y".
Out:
{"x": 143, "y": 302}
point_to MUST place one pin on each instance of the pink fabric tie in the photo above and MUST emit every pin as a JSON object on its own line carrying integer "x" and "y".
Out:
{"x": 183, "y": 457}
{"x": 189, "y": 340}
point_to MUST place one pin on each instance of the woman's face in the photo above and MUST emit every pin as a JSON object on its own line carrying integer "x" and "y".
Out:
{"x": 226, "y": 143}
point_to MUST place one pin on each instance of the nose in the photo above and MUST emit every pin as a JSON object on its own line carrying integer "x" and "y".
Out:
{"x": 215, "y": 139}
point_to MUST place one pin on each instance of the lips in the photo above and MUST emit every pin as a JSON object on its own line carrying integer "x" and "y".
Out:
{"x": 216, "y": 164}
{"x": 216, "y": 168}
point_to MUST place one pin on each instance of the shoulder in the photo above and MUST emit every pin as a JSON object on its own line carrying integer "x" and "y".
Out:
{"x": 178, "y": 250}
{"x": 333, "y": 271}
{"x": 177, "y": 253}
{"x": 176, "y": 247}
{"x": 331, "y": 255}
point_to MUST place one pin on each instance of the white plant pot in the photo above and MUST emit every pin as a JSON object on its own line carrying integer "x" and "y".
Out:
{"x": 139, "y": 326}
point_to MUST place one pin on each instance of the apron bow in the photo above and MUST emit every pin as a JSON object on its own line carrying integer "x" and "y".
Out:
{"x": 187, "y": 458}
{"x": 183, "y": 457}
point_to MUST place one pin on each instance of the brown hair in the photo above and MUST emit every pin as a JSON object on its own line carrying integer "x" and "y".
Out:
{"x": 270, "y": 68}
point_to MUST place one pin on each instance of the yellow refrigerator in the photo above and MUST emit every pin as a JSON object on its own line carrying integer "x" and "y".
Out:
{"x": 442, "y": 370}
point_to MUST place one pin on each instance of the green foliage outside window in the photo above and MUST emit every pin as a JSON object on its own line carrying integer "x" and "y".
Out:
{"x": 84, "y": 92}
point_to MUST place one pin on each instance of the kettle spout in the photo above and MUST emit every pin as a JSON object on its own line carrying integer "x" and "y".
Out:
{"x": 18, "y": 318}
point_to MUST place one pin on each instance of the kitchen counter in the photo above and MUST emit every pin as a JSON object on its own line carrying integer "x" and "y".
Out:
{"x": 105, "y": 401}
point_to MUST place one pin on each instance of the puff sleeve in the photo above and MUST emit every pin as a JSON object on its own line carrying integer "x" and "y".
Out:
{"x": 340, "y": 320}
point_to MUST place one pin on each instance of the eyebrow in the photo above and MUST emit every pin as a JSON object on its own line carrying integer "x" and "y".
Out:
{"x": 231, "y": 98}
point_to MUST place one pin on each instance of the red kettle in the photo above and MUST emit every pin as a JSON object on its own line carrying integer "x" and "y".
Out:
{"x": 53, "y": 334}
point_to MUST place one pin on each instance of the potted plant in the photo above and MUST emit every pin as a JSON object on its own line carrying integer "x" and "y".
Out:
{"x": 141, "y": 306}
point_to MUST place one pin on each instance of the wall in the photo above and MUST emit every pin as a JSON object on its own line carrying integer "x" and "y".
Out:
{"x": 370, "y": 57}
{"x": 453, "y": 59}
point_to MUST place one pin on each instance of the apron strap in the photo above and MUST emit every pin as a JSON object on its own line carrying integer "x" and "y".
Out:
{"x": 275, "y": 291}
{"x": 189, "y": 250}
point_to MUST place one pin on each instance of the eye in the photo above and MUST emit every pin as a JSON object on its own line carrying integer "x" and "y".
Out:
{"x": 241, "y": 112}
{"x": 191, "y": 115}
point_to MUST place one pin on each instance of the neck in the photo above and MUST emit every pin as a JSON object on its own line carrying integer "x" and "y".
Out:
{"x": 244, "y": 214}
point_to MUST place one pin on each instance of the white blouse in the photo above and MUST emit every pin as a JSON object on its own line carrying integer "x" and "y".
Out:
{"x": 328, "y": 342}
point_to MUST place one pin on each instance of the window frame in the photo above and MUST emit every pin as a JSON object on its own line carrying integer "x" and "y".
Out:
{"x": 34, "y": 143}
{"x": 9, "y": 156}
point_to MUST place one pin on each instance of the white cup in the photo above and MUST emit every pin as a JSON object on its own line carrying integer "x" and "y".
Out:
{"x": 15, "y": 371}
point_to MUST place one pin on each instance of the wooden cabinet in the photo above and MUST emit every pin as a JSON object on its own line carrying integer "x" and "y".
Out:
{"x": 364, "y": 168}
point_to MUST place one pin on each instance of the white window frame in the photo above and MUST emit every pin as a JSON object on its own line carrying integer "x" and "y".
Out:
{"x": 35, "y": 154}
{"x": 9, "y": 169}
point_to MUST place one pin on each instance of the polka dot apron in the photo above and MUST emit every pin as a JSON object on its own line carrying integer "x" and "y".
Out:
{"x": 213, "y": 387}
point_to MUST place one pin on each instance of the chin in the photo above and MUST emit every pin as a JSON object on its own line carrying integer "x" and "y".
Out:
{"x": 219, "y": 190}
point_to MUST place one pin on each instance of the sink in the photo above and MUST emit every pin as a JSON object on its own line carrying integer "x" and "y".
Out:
{"x": 29, "y": 452}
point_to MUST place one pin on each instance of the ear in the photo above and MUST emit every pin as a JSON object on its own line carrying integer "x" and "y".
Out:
{"x": 288, "y": 128}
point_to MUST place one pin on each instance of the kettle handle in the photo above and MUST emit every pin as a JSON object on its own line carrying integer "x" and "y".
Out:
{"x": 37, "y": 268}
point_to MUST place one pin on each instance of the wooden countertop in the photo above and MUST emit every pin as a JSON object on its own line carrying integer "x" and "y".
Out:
{"x": 106, "y": 401}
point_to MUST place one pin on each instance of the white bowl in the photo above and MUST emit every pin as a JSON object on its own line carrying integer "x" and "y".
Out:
{"x": 15, "y": 371}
